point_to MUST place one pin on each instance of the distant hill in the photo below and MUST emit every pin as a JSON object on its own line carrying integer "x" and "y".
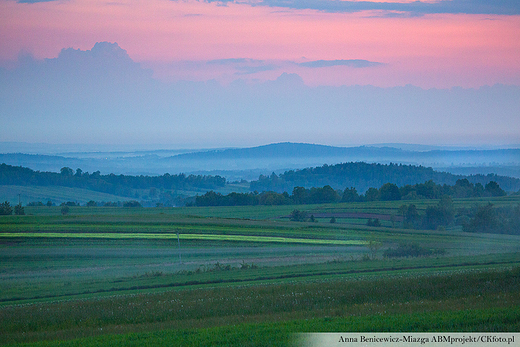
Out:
{"x": 363, "y": 176}
{"x": 291, "y": 150}
{"x": 278, "y": 157}
{"x": 361, "y": 153}
{"x": 289, "y": 155}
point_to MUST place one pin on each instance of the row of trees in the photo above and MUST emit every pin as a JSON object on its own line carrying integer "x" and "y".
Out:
{"x": 6, "y": 209}
{"x": 478, "y": 219}
{"x": 499, "y": 220}
{"x": 300, "y": 195}
{"x": 326, "y": 194}
{"x": 122, "y": 185}
{"x": 440, "y": 215}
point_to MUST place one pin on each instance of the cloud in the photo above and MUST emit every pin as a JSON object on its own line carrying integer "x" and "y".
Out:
{"x": 101, "y": 95}
{"x": 393, "y": 9}
{"x": 32, "y": 1}
{"x": 245, "y": 66}
{"x": 234, "y": 61}
{"x": 356, "y": 63}
{"x": 105, "y": 60}
{"x": 500, "y": 7}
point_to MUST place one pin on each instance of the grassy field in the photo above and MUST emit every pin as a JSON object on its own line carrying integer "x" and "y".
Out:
{"x": 243, "y": 276}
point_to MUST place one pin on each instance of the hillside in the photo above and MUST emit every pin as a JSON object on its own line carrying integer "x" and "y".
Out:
{"x": 363, "y": 176}
{"x": 163, "y": 188}
{"x": 248, "y": 163}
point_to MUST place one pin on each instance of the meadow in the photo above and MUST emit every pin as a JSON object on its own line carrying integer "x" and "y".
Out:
{"x": 239, "y": 276}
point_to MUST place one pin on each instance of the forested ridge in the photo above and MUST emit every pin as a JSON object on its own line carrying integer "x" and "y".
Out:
{"x": 111, "y": 183}
{"x": 363, "y": 176}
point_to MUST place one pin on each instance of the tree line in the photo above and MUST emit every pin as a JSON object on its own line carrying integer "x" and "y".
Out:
{"x": 387, "y": 192}
{"x": 6, "y": 209}
{"x": 477, "y": 219}
{"x": 122, "y": 185}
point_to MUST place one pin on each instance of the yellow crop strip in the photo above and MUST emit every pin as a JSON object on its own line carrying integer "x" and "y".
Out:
{"x": 207, "y": 237}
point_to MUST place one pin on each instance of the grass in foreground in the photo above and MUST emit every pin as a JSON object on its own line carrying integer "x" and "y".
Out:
{"x": 282, "y": 333}
{"x": 424, "y": 303}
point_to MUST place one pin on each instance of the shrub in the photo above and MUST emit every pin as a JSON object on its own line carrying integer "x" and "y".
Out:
{"x": 410, "y": 250}
{"x": 132, "y": 203}
{"x": 298, "y": 216}
{"x": 373, "y": 223}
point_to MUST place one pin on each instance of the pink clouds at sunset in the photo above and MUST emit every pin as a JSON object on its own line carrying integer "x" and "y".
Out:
{"x": 428, "y": 50}
{"x": 226, "y": 71}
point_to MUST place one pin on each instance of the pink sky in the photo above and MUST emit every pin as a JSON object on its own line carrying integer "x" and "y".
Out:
{"x": 432, "y": 50}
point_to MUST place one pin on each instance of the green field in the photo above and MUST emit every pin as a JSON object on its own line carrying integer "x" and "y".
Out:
{"x": 244, "y": 276}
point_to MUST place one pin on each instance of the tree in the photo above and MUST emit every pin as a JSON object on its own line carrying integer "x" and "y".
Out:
{"x": 91, "y": 203}
{"x": 493, "y": 189}
{"x": 66, "y": 171}
{"x": 6, "y": 209}
{"x": 484, "y": 221}
{"x": 463, "y": 188}
{"x": 389, "y": 192}
{"x": 298, "y": 216}
{"x": 373, "y": 223}
{"x": 372, "y": 194}
{"x": 374, "y": 247}
{"x": 323, "y": 195}
{"x": 411, "y": 214}
{"x": 440, "y": 215}
{"x": 69, "y": 203}
{"x": 299, "y": 195}
{"x": 273, "y": 198}
{"x": 65, "y": 209}
{"x": 19, "y": 210}
{"x": 350, "y": 195}
{"x": 333, "y": 219}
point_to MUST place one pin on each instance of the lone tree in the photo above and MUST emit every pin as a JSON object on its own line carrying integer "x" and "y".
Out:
{"x": 374, "y": 246}
{"x": 65, "y": 209}
{"x": 485, "y": 220}
{"x": 5, "y": 208}
{"x": 298, "y": 216}
{"x": 19, "y": 210}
